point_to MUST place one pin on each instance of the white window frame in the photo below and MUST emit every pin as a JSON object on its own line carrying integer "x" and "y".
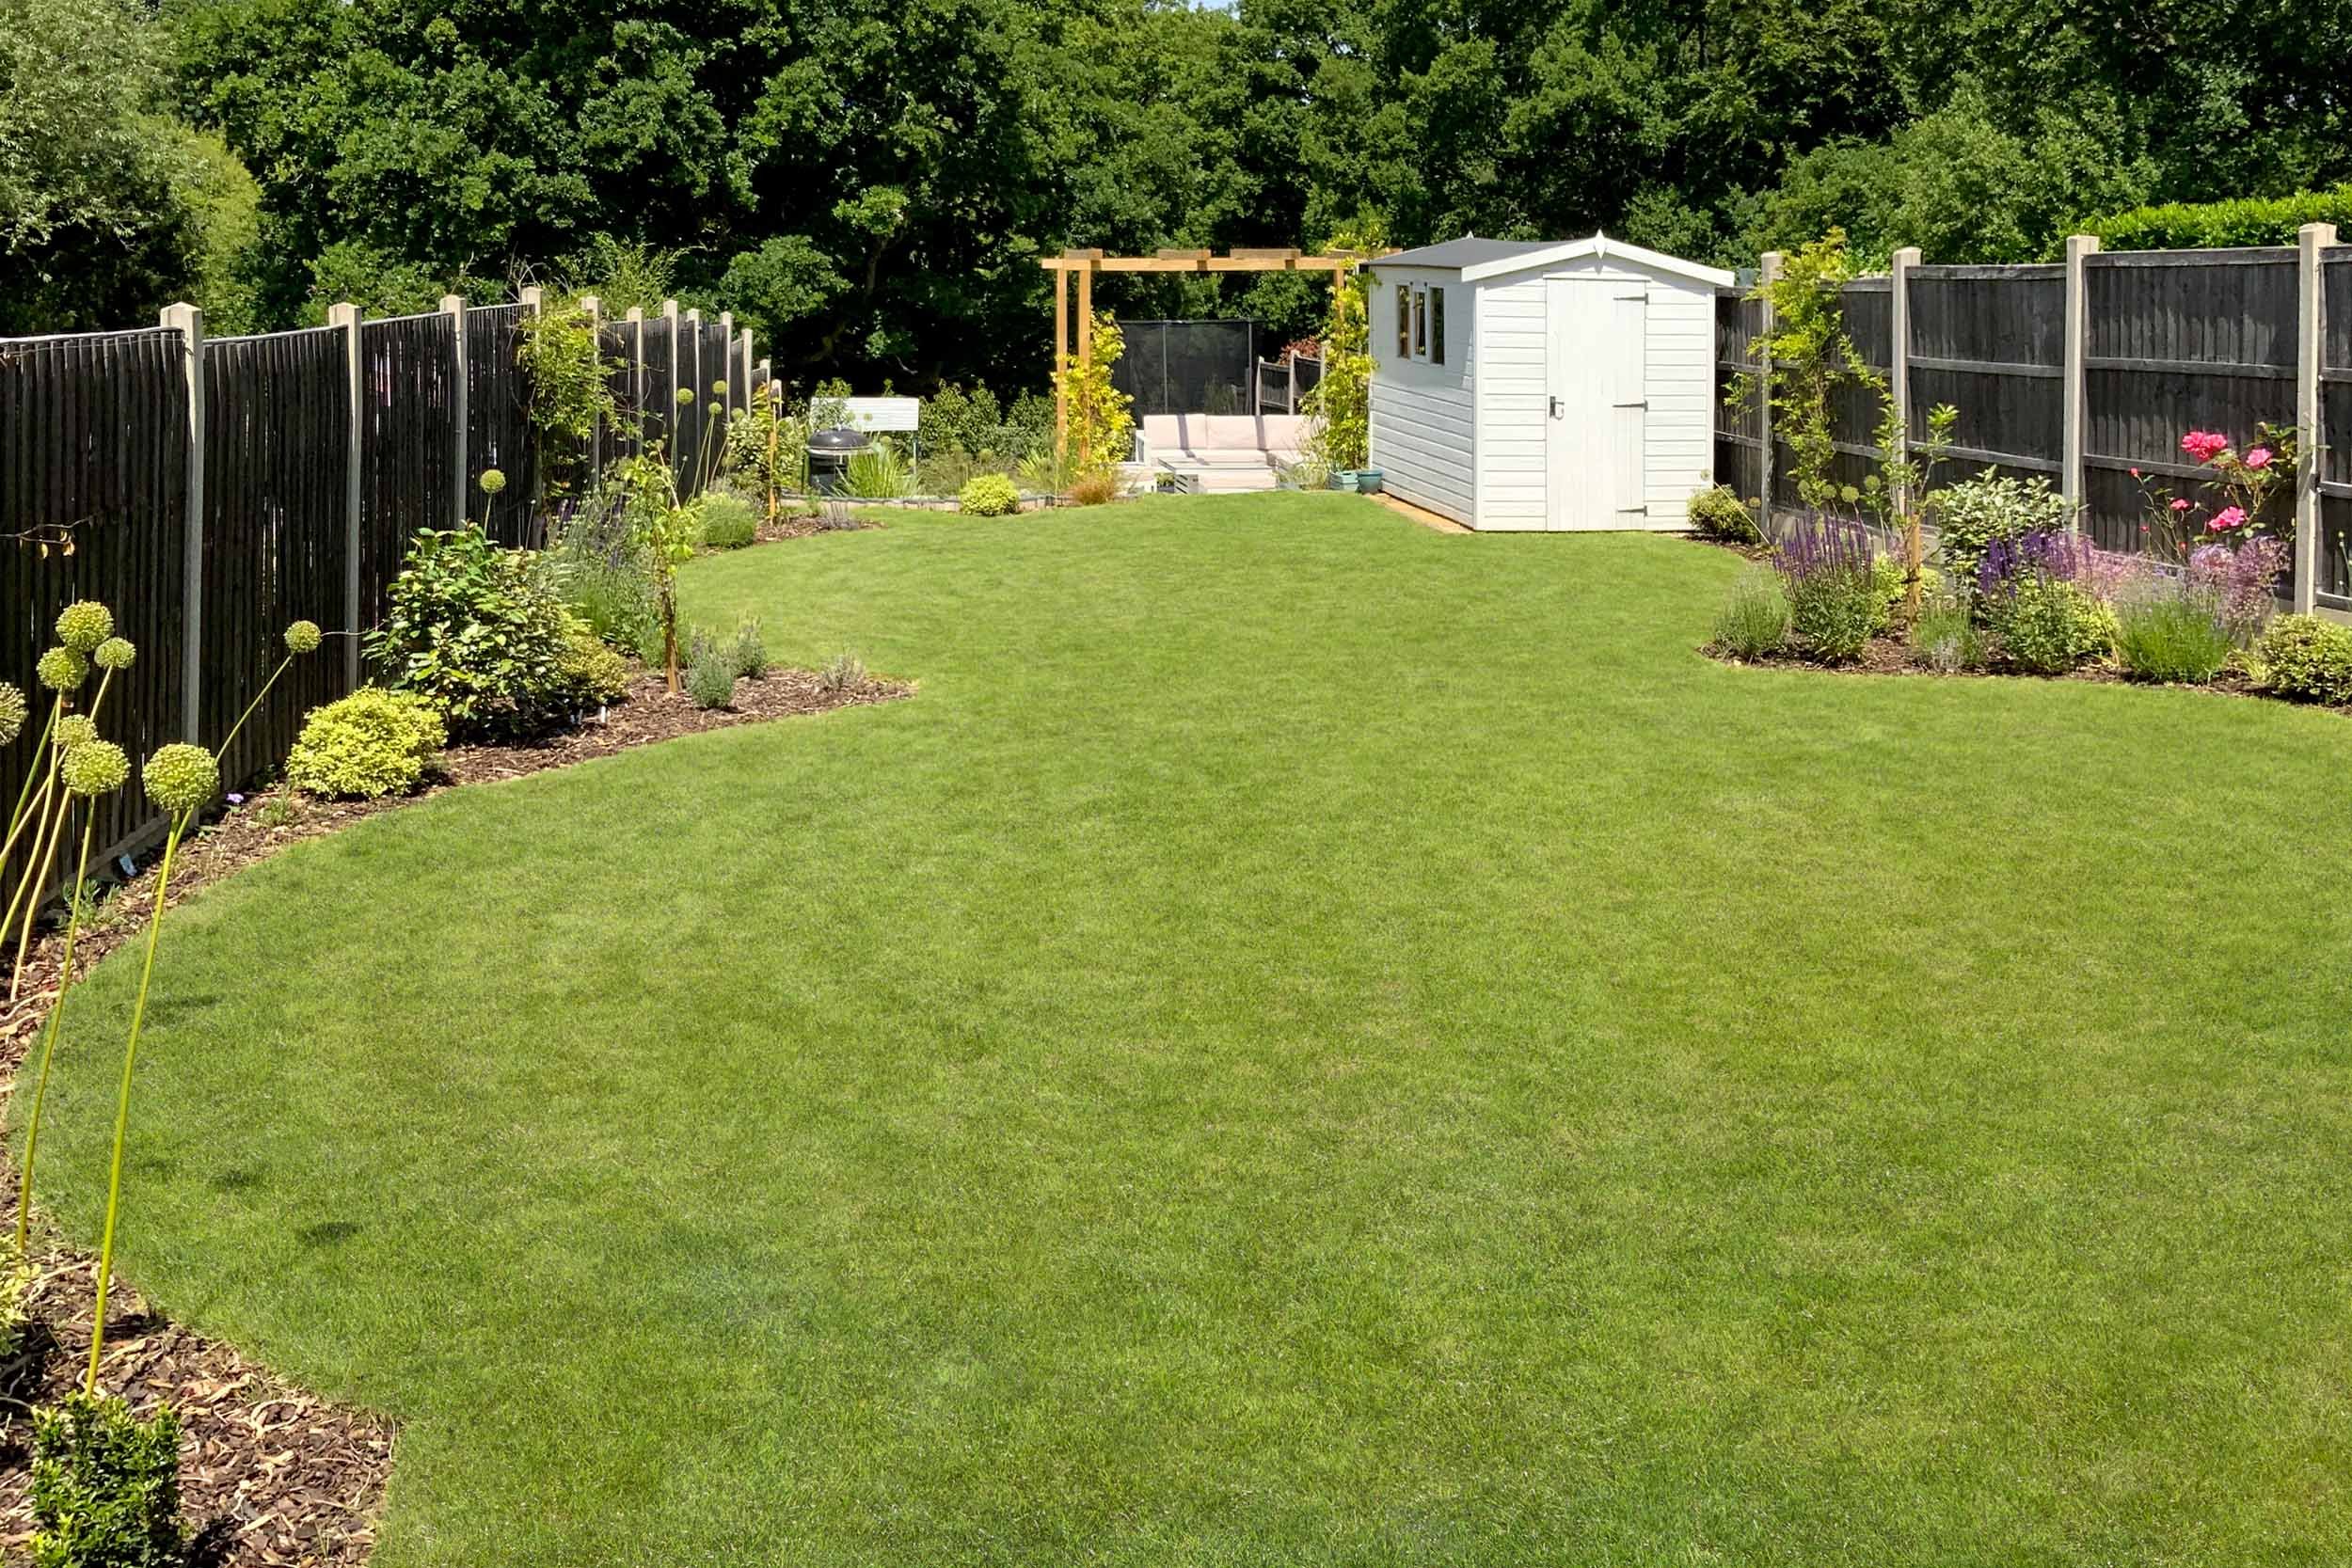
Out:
{"x": 1421, "y": 322}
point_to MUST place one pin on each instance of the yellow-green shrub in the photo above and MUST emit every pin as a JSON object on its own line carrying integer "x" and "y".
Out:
{"x": 370, "y": 744}
{"x": 596, "y": 673}
{"x": 988, "y": 495}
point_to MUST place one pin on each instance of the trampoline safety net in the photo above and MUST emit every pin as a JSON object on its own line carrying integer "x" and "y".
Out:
{"x": 1188, "y": 367}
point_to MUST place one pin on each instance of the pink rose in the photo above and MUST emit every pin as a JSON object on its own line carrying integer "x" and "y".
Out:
{"x": 2227, "y": 518}
{"x": 2258, "y": 457}
{"x": 2180, "y": 503}
{"x": 2204, "y": 445}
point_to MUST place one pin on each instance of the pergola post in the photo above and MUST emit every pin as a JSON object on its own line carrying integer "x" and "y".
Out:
{"x": 1061, "y": 342}
{"x": 1086, "y": 342}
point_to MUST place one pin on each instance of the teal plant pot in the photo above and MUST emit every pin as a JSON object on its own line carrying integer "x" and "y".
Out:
{"x": 1368, "y": 480}
{"x": 1343, "y": 479}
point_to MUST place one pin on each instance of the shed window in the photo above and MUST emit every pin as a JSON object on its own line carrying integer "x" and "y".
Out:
{"x": 1437, "y": 326}
{"x": 1421, "y": 321}
{"x": 1404, "y": 321}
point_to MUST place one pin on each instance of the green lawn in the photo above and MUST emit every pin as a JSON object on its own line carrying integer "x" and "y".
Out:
{"x": 1309, "y": 1041}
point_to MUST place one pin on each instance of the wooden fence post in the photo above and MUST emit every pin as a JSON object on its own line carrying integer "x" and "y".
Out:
{"x": 593, "y": 309}
{"x": 454, "y": 306}
{"x": 188, "y": 321}
{"x": 1899, "y": 361}
{"x": 2075, "y": 418}
{"x": 346, "y": 317}
{"x": 1768, "y": 274}
{"x": 2311, "y": 323}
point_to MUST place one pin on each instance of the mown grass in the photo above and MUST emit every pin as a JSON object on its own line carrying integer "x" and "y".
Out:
{"x": 1308, "y": 1042}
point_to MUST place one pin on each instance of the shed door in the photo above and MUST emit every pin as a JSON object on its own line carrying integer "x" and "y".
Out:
{"x": 1596, "y": 327}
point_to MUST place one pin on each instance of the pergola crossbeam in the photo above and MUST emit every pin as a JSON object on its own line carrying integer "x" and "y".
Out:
{"x": 1085, "y": 264}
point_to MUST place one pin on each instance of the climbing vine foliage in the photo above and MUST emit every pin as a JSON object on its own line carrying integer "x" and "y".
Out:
{"x": 1101, "y": 422}
{"x": 1805, "y": 361}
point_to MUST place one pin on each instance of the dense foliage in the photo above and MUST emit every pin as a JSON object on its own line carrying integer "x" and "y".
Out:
{"x": 868, "y": 184}
{"x": 481, "y": 634}
{"x": 369, "y": 744}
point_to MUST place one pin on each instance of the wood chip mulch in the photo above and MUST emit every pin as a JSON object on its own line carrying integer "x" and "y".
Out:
{"x": 802, "y": 527}
{"x": 272, "y": 1476}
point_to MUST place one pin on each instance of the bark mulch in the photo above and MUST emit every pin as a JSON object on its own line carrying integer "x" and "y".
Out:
{"x": 803, "y": 525}
{"x": 272, "y": 1476}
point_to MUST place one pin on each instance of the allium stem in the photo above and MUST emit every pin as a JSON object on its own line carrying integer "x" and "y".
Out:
{"x": 222, "y": 750}
{"x": 122, "y": 1103}
{"x": 48, "y": 1047}
{"x": 18, "y": 816}
{"x": 52, "y": 829}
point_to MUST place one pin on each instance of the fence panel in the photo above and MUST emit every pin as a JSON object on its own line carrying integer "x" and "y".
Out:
{"x": 687, "y": 419}
{"x": 499, "y": 433}
{"x": 2178, "y": 340}
{"x": 1991, "y": 341}
{"x": 1865, "y": 307}
{"x": 617, "y": 341}
{"x": 712, "y": 427}
{"x": 277, "y": 454}
{"x": 407, "y": 386}
{"x": 1738, "y": 428}
{"x": 2334, "y": 585}
{"x": 657, "y": 414}
{"x": 94, "y": 449}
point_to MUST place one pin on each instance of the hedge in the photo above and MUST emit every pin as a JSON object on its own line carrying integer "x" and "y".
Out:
{"x": 2208, "y": 225}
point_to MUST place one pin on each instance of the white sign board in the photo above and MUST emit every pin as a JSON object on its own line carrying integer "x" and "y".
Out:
{"x": 884, "y": 413}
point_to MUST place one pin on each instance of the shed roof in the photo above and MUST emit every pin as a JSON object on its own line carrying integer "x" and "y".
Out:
{"x": 1475, "y": 258}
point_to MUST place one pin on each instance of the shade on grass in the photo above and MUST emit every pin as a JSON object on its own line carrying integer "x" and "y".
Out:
{"x": 1309, "y": 1041}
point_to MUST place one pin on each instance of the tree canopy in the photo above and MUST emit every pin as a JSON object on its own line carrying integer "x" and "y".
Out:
{"x": 868, "y": 185}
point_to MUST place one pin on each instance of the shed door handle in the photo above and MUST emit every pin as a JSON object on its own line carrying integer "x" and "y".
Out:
{"x": 1555, "y": 408}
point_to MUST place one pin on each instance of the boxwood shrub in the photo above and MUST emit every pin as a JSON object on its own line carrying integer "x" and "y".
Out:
{"x": 370, "y": 744}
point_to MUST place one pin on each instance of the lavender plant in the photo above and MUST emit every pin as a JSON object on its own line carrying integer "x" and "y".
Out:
{"x": 1827, "y": 567}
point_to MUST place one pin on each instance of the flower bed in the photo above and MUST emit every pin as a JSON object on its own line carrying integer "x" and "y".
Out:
{"x": 2012, "y": 588}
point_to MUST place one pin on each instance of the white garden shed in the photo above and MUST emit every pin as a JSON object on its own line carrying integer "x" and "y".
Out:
{"x": 1543, "y": 386}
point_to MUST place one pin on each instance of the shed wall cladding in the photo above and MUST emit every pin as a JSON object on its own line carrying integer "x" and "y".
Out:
{"x": 1423, "y": 426}
{"x": 1514, "y": 394}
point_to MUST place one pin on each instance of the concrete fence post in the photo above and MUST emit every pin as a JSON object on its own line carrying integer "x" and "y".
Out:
{"x": 635, "y": 317}
{"x": 2311, "y": 431}
{"x": 188, "y": 321}
{"x": 1768, "y": 274}
{"x": 2075, "y": 417}
{"x": 454, "y": 306}
{"x": 1899, "y": 361}
{"x": 345, "y": 318}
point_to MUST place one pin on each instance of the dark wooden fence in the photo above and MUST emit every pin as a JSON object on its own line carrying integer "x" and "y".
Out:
{"x": 2169, "y": 341}
{"x": 96, "y": 501}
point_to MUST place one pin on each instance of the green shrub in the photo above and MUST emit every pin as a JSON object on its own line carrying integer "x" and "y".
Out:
{"x": 105, "y": 1486}
{"x": 1971, "y": 515}
{"x": 710, "y": 681}
{"x": 1945, "y": 636}
{"x": 1718, "y": 513}
{"x": 2306, "y": 658}
{"x": 2047, "y": 625}
{"x": 370, "y": 744}
{"x": 726, "y": 521}
{"x": 750, "y": 652}
{"x": 1755, "y": 620}
{"x": 598, "y": 674}
{"x": 479, "y": 633}
{"x": 2208, "y": 225}
{"x": 877, "y": 473}
{"x": 842, "y": 672}
{"x": 2171, "y": 631}
{"x": 989, "y": 496}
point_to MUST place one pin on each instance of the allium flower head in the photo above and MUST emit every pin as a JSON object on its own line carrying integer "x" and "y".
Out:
{"x": 719, "y": 389}
{"x": 97, "y": 768}
{"x": 492, "y": 481}
{"x": 181, "y": 778}
{"x": 714, "y": 406}
{"x": 76, "y": 729}
{"x": 85, "y": 624}
{"x": 12, "y": 713}
{"x": 62, "y": 670}
{"x": 686, "y": 397}
{"x": 115, "y": 652}
{"x": 303, "y": 636}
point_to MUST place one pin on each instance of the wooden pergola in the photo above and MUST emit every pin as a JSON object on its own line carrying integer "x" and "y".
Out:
{"x": 1084, "y": 265}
